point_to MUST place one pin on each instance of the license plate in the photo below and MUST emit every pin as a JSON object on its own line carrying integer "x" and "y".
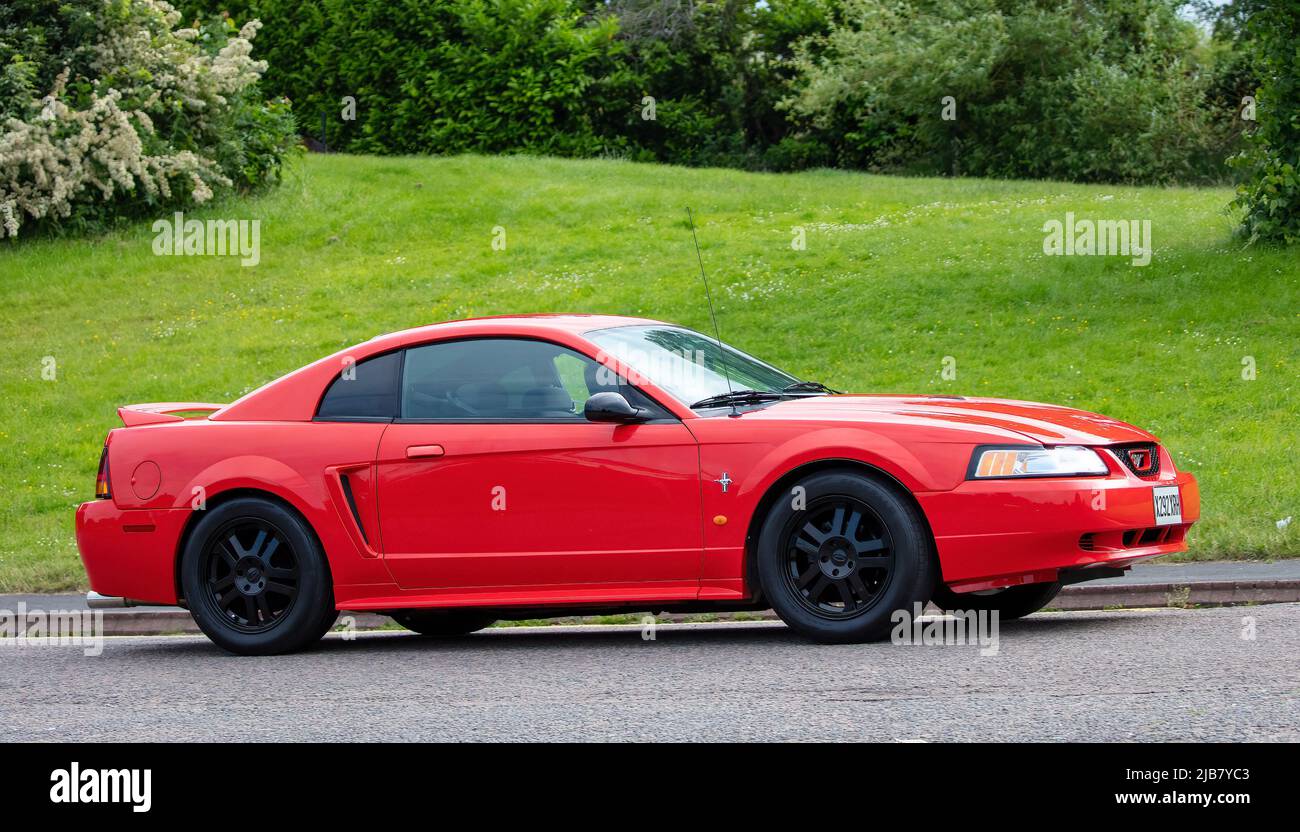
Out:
{"x": 1169, "y": 505}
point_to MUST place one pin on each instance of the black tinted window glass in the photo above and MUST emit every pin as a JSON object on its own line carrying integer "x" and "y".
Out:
{"x": 367, "y": 390}
{"x": 488, "y": 378}
{"x": 509, "y": 379}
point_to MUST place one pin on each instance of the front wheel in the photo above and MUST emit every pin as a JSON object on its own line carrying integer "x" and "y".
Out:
{"x": 840, "y": 554}
{"x": 256, "y": 580}
{"x": 1011, "y": 602}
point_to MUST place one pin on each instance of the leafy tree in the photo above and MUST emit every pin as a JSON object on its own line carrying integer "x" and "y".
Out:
{"x": 568, "y": 77}
{"x": 1270, "y": 197}
{"x": 435, "y": 76}
{"x": 1094, "y": 90}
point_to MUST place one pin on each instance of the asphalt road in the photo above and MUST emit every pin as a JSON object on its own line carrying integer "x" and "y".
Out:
{"x": 1134, "y": 675}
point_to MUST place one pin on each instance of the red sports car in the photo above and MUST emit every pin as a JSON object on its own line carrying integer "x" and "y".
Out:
{"x": 518, "y": 467}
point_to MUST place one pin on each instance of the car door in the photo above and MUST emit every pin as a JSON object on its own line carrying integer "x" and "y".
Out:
{"x": 491, "y": 478}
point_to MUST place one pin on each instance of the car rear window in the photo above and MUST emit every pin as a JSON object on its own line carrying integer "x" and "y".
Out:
{"x": 364, "y": 392}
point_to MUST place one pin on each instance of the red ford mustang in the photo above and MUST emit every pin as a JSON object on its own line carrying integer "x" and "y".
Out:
{"x": 517, "y": 467}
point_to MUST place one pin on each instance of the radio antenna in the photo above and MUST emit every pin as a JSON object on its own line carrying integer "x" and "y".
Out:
{"x": 717, "y": 334}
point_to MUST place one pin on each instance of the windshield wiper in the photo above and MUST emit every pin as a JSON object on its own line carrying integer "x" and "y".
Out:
{"x": 739, "y": 397}
{"x": 807, "y": 387}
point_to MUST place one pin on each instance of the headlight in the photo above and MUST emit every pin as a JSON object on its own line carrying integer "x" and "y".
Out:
{"x": 1063, "y": 461}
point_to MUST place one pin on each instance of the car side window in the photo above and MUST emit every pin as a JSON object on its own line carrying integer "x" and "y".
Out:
{"x": 364, "y": 392}
{"x": 572, "y": 369}
{"x": 498, "y": 379}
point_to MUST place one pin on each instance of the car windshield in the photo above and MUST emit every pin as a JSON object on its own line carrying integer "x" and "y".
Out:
{"x": 685, "y": 363}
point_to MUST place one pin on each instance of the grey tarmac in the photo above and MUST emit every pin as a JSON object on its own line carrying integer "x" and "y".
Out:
{"x": 1133, "y": 675}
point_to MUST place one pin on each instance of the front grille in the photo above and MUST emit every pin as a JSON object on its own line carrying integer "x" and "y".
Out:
{"x": 1142, "y": 458}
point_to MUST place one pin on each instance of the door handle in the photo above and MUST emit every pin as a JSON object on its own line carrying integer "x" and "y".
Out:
{"x": 423, "y": 451}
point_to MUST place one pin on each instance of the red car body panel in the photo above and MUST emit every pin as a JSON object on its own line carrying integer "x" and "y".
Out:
{"x": 637, "y": 487}
{"x": 597, "y": 513}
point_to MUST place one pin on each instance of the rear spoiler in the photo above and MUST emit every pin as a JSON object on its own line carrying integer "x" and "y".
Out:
{"x": 158, "y": 412}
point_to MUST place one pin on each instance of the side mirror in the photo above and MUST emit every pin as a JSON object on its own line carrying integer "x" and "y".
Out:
{"x": 612, "y": 407}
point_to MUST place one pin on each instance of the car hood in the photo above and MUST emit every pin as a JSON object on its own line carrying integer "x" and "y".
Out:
{"x": 1045, "y": 423}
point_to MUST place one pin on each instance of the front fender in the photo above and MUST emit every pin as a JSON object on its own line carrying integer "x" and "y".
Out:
{"x": 768, "y": 453}
{"x": 858, "y": 445}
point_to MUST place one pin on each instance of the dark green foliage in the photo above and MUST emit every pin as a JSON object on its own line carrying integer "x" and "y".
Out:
{"x": 442, "y": 76}
{"x": 565, "y": 77}
{"x": 716, "y": 72}
{"x": 1096, "y": 90}
{"x": 1093, "y": 90}
{"x": 1270, "y": 197}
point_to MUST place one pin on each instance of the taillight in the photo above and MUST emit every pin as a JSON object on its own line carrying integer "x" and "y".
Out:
{"x": 102, "y": 491}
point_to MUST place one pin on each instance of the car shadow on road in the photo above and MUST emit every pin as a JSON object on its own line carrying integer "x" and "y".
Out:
{"x": 749, "y": 634}
{"x": 729, "y": 634}
{"x": 534, "y": 638}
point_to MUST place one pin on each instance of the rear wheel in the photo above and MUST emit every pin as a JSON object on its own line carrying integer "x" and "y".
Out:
{"x": 837, "y": 567}
{"x": 1012, "y": 602}
{"x": 442, "y": 622}
{"x": 255, "y": 579}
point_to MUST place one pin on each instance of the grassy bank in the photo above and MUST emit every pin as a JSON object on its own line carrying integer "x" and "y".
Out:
{"x": 897, "y": 274}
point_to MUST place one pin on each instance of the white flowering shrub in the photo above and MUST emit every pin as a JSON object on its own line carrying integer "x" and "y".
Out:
{"x": 107, "y": 109}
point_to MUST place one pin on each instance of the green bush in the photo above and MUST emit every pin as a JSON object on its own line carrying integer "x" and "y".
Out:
{"x": 566, "y": 77}
{"x": 667, "y": 89}
{"x": 1098, "y": 90}
{"x": 109, "y": 110}
{"x": 1270, "y": 197}
{"x": 435, "y": 76}
{"x": 1093, "y": 90}
{"x": 716, "y": 71}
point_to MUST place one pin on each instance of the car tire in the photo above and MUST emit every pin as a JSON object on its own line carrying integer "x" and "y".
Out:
{"x": 1012, "y": 602}
{"x": 442, "y": 623}
{"x": 255, "y": 579}
{"x": 835, "y": 578}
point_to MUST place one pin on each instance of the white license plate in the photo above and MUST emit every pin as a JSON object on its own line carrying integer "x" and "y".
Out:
{"x": 1169, "y": 505}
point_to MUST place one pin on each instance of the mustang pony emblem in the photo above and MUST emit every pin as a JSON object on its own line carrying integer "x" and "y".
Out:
{"x": 724, "y": 481}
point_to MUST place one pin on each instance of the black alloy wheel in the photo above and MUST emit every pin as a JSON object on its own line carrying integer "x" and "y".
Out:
{"x": 839, "y": 557}
{"x": 252, "y": 574}
{"x": 841, "y": 553}
{"x": 255, "y": 578}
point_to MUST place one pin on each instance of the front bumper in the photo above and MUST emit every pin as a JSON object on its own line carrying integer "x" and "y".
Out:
{"x": 130, "y": 553}
{"x": 997, "y": 533}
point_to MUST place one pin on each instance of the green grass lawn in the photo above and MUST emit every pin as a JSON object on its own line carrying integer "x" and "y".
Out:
{"x": 897, "y": 274}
